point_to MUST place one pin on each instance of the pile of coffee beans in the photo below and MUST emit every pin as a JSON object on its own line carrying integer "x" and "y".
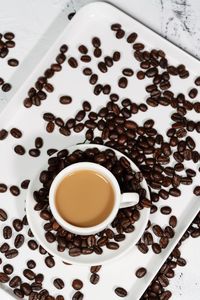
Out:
{"x": 112, "y": 126}
{"x": 42, "y": 87}
{"x": 6, "y": 43}
{"x": 129, "y": 181}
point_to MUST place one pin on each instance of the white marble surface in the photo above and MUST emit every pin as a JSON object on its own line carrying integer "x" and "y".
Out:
{"x": 36, "y": 23}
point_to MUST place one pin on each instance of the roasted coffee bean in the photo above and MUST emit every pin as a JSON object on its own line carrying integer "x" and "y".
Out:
{"x": 77, "y": 284}
{"x": 31, "y": 264}
{"x": 98, "y": 89}
{"x": 11, "y": 253}
{"x": 9, "y": 44}
{"x": 19, "y": 293}
{"x": 29, "y": 274}
{"x": 35, "y": 152}
{"x": 16, "y": 133}
{"x": 85, "y": 58}
{"x": 32, "y": 245}
{"x": 4, "y": 52}
{"x": 78, "y": 296}
{"x": 166, "y": 210}
{"x": 123, "y": 82}
{"x": 173, "y": 221}
{"x": 94, "y": 278}
{"x": 34, "y": 296}
{"x": 83, "y": 49}
{"x": 142, "y": 248}
{"x": 193, "y": 93}
{"x": 120, "y": 33}
{"x": 50, "y": 237}
{"x": 4, "y": 277}
{"x": 4, "y": 248}
{"x": 102, "y": 67}
{"x": 140, "y": 75}
{"x": 59, "y": 122}
{"x": 196, "y": 191}
{"x": 93, "y": 79}
{"x": 28, "y": 102}
{"x": 95, "y": 269}
{"x": 97, "y": 52}
{"x": 132, "y": 37}
{"x": 174, "y": 192}
{"x": 39, "y": 142}
{"x": 141, "y": 272}
{"x": 13, "y": 62}
{"x": 8, "y": 269}
{"x": 87, "y": 71}
{"x": 148, "y": 238}
{"x": 73, "y": 62}
{"x": 26, "y": 288}
{"x": 157, "y": 230}
{"x": 49, "y": 261}
{"x": 127, "y": 72}
{"x": 108, "y": 61}
{"x": 7, "y": 232}
{"x": 15, "y": 282}
{"x": 19, "y": 241}
{"x": 115, "y": 26}
{"x": 156, "y": 248}
{"x": 96, "y": 42}
{"x": 3, "y": 215}
{"x": 9, "y": 36}
{"x": 116, "y": 56}
{"x": 86, "y": 106}
{"x": 17, "y": 224}
{"x": 121, "y": 292}
{"x": 60, "y": 297}
{"x": 3, "y": 134}
{"x": 59, "y": 283}
{"x": 15, "y": 191}
{"x": 20, "y": 150}
{"x": 48, "y": 87}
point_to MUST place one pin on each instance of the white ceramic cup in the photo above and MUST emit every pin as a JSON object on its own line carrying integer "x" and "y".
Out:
{"x": 120, "y": 200}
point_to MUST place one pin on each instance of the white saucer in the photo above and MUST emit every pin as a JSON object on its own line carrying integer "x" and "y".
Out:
{"x": 36, "y": 223}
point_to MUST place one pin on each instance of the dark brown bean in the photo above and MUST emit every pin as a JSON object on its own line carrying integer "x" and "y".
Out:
{"x": 166, "y": 210}
{"x": 127, "y": 72}
{"x": 77, "y": 284}
{"x": 16, "y": 133}
{"x": 116, "y": 56}
{"x": 94, "y": 278}
{"x": 73, "y": 62}
{"x": 11, "y": 253}
{"x": 20, "y": 150}
{"x": 121, "y": 292}
{"x": 3, "y": 134}
{"x": 13, "y": 62}
{"x": 141, "y": 272}
{"x": 83, "y": 49}
{"x": 59, "y": 283}
{"x": 15, "y": 191}
{"x": 19, "y": 241}
{"x": 15, "y": 282}
{"x": 77, "y": 296}
{"x": 3, "y": 215}
{"x": 4, "y": 277}
{"x": 8, "y": 269}
{"x": 197, "y": 191}
{"x": 123, "y": 82}
{"x": 31, "y": 264}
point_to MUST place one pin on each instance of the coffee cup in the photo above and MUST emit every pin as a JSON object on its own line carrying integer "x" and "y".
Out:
{"x": 70, "y": 194}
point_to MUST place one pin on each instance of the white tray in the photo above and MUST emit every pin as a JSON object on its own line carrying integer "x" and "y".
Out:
{"x": 93, "y": 19}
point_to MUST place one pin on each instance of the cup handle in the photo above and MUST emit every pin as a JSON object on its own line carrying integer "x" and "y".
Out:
{"x": 129, "y": 199}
